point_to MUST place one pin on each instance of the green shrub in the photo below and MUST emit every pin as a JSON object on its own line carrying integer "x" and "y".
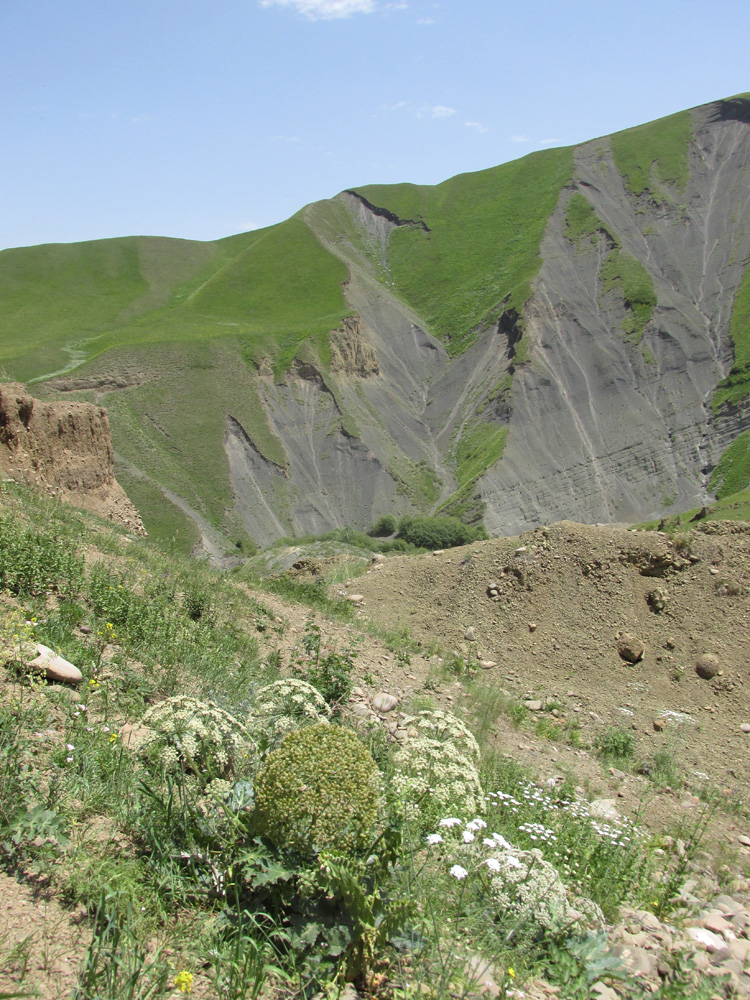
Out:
{"x": 437, "y": 532}
{"x": 199, "y": 737}
{"x": 328, "y": 670}
{"x": 318, "y": 791}
{"x": 384, "y": 526}
{"x": 33, "y": 561}
{"x": 615, "y": 742}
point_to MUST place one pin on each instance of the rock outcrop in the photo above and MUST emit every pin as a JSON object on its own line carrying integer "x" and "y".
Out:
{"x": 65, "y": 449}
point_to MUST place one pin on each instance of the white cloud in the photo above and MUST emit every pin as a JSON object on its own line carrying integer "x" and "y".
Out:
{"x": 479, "y": 126}
{"x": 547, "y": 142}
{"x": 436, "y": 111}
{"x": 520, "y": 138}
{"x": 316, "y": 10}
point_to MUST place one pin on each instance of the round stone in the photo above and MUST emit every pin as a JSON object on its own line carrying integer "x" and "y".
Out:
{"x": 630, "y": 648}
{"x": 707, "y": 666}
{"x": 384, "y": 702}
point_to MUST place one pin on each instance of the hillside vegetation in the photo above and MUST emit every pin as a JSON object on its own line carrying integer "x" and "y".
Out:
{"x": 217, "y": 811}
{"x": 475, "y": 249}
{"x": 489, "y": 347}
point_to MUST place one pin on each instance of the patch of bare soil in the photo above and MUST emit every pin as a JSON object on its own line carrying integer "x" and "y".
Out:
{"x": 41, "y": 942}
{"x": 549, "y": 609}
{"x": 64, "y": 449}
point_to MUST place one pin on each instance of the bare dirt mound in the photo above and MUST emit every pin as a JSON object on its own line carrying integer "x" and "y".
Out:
{"x": 65, "y": 449}
{"x": 563, "y": 610}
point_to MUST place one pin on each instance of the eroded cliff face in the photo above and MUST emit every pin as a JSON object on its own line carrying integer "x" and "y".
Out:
{"x": 64, "y": 449}
{"x": 604, "y": 429}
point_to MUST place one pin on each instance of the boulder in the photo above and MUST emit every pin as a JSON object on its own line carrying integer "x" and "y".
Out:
{"x": 630, "y": 648}
{"x": 707, "y": 666}
{"x": 53, "y": 666}
{"x": 384, "y": 702}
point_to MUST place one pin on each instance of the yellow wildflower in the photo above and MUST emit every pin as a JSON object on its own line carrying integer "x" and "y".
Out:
{"x": 184, "y": 981}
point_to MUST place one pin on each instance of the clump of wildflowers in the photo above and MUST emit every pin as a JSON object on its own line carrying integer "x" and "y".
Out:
{"x": 197, "y": 736}
{"x": 183, "y": 981}
{"x": 16, "y": 636}
{"x": 282, "y": 707}
{"x": 521, "y": 884}
{"x": 446, "y": 728}
{"x": 433, "y": 776}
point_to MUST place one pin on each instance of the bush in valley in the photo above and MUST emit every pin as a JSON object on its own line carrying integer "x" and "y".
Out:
{"x": 438, "y": 532}
{"x": 384, "y": 526}
{"x": 318, "y": 791}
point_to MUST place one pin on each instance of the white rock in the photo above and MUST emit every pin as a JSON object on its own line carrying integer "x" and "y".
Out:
{"x": 355, "y": 598}
{"x": 745, "y": 727}
{"x": 487, "y": 664}
{"x": 709, "y": 940}
{"x": 384, "y": 702}
{"x": 55, "y": 667}
{"x": 604, "y": 809}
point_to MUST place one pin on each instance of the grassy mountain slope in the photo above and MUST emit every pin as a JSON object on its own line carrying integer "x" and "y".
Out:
{"x": 480, "y": 250}
{"x": 657, "y": 151}
{"x": 276, "y": 286}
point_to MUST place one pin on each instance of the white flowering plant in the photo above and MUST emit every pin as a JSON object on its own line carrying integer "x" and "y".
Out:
{"x": 525, "y": 891}
{"x": 444, "y": 727}
{"x": 606, "y": 861}
{"x": 432, "y": 776}
{"x": 198, "y": 737}
{"x": 283, "y": 707}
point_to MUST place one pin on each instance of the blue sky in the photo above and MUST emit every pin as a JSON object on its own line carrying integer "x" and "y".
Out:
{"x": 202, "y": 119}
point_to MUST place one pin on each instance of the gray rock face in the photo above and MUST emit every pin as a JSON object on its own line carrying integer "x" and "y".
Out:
{"x": 600, "y": 428}
{"x": 599, "y": 433}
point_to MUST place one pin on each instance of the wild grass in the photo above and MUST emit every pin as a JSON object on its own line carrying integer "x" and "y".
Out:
{"x": 480, "y": 250}
{"x": 657, "y": 151}
{"x": 164, "y": 846}
{"x": 581, "y": 220}
{"x": 621, "y": 271}
{"x": 736, "y": 386}
{"x": 732, "y": 474}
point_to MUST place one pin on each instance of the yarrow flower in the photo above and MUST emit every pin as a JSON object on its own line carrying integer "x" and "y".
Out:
{"x": 434, "y": 838}
{"x": 457, "y": 871}
{"x": 450, "y": 821}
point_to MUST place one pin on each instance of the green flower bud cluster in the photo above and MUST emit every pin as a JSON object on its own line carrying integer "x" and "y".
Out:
{"x": 282, "y": 707}
{"x": 318, "y": 791}
{"x": 197, "y": 736}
